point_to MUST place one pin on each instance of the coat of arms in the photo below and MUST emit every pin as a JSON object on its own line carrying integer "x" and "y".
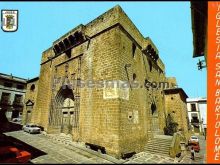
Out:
{"x": 9, "y": 19}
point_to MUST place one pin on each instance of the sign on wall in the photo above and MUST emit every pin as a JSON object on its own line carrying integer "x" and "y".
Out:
{"x": 115, "y": 89}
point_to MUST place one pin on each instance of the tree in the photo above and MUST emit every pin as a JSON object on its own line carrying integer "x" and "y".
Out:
{"x": 171, "y": 126}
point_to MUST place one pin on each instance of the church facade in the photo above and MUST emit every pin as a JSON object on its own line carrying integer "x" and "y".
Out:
{"x": 88, "y": 81}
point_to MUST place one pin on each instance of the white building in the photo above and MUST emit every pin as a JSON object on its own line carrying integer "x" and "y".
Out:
{"x": 12, "y": 93}
{"x": 197, "y": 113}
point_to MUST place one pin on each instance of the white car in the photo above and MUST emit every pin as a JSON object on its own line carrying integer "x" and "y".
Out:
{"x": 31, "y": 128}
{"x": 194, "y": 139}
{"x": 16, "y": 120}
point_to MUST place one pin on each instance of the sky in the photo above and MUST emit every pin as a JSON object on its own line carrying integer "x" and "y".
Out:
{"x": 168, "y": 24}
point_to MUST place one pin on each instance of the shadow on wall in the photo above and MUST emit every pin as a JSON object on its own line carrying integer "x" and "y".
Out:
{"x": 6, "y": 126}
{"x": 3, "y": 117}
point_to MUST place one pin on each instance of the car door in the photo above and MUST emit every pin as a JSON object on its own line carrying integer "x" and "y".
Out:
{"x": 26, "y": 128}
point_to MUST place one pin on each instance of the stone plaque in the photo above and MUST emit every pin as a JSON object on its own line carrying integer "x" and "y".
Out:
{"x": 110, "y": 92}
{"x": 136, "y": 120}
{"x": 115, "y": 89}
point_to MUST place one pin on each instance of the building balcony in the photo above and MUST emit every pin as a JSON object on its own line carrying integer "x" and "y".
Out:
{"x": 18, "y": 103}
{"x": 5, "y": 102}
{"x": 195, "y": 123}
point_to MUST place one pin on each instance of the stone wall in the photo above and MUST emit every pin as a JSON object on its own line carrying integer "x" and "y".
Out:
{"x": 175, "y": 105}
{"x": 40, "y": 111}
{"x": 121, "y": 120}
{"x": 134, "y": 133}
{"x": 30, "y": 99}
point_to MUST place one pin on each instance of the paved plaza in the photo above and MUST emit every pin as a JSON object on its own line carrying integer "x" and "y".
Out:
{"x": 55, "y": 152}
{"x": 74, "y": 154}
{"x": 58, "y": 152}
{"x": 200, "y": 158}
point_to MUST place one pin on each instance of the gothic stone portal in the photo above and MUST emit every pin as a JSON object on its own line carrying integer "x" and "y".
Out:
{"x": 155, "y": 120}
{"x": 67, "y": 116}
{"x": 64, "y": 113}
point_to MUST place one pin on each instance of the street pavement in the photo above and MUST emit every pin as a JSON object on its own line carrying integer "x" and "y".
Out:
{"x": 200, "y": 158}
{"x": 149, "y": 158}
{"x": 57, "y": 152}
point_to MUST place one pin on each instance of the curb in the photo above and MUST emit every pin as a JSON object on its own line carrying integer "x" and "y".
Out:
{"x": 103, "y": 156}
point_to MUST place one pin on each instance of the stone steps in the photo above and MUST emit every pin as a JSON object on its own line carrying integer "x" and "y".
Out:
{"x": 63, "y": 138}
{"x": 66, "y": 139}
{"x": 159, "y": 145}
{"x": 156, "y": 147}
{"x": 167, "y": 137}
{"x": 160, "y": 141}
{"x": 81, "y": 148}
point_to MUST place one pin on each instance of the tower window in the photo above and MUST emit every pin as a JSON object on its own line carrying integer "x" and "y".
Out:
{"x": 133, "y": 49}
{"x": 150, "y": 65}
{"x": 193, "y": 107}
{"x": 134, "y": 77}
{"x": 32, "y": 87}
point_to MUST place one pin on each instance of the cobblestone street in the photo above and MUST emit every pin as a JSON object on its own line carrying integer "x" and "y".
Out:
{"x": 57, "y": 152}
{"x": 148, "y": 158}
{"x": 60, "y": 153}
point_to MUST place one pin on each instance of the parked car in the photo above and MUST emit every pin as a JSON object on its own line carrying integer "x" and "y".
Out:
{"x": 31, "y": 128}
{"x": 193, "y": 139}
{"x": 16, "y": 120}
{"x": 195, "y": 146}
{"x": 10, "y": 154}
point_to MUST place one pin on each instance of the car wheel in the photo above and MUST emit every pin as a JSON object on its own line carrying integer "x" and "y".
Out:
{"x": 29, "y": 132}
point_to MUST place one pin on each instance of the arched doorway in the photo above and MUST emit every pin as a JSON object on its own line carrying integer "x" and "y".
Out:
{"x": 67, "y": 117}
{"x": 155, "y": 120}
{"x": 65, "y": 106}
{"x": 29, "y": 109}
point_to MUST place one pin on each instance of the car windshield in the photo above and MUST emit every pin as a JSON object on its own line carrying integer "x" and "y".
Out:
{"x": 193, "y": 137}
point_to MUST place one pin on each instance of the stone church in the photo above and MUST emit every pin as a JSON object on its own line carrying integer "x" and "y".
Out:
{"x": 117, "y": 119}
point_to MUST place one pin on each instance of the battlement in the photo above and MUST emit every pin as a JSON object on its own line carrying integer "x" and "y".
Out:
{"x": 114, "y": 16}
